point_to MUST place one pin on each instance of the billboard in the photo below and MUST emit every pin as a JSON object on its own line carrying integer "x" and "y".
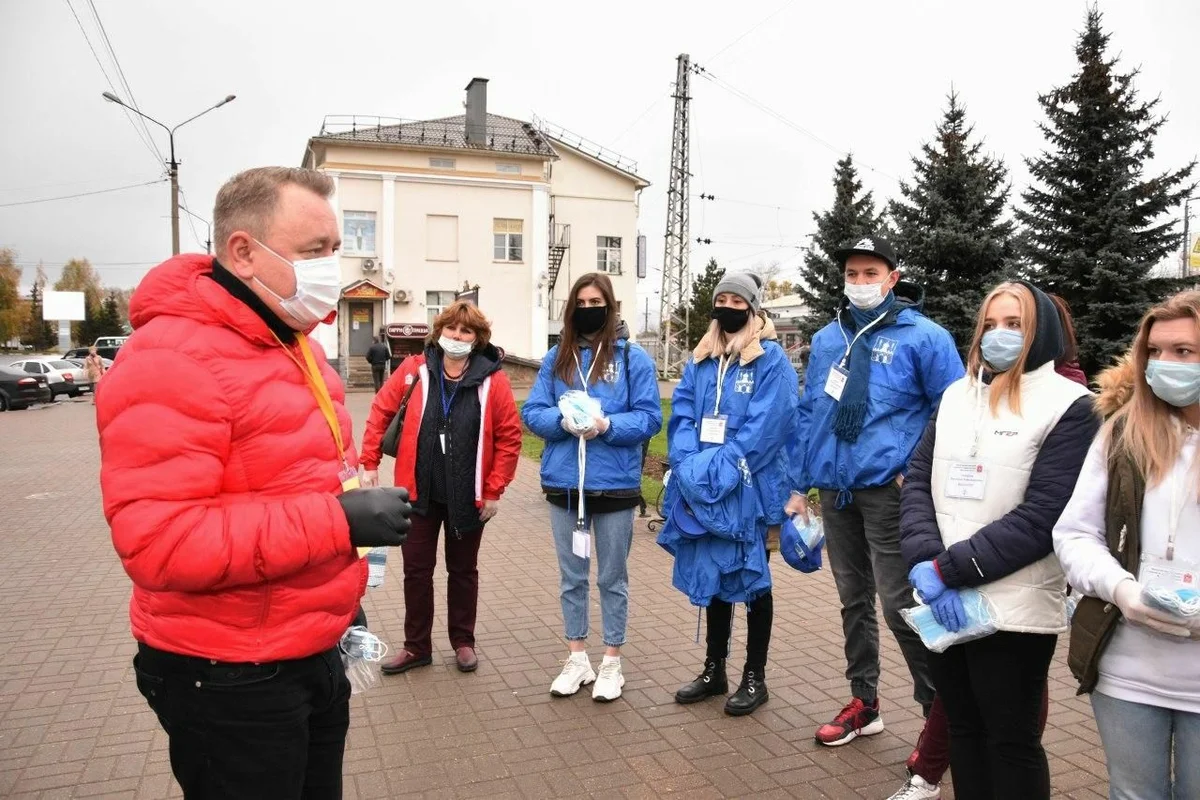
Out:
{"x": 1194, "y": 253}
{"x": 63, "y": 306}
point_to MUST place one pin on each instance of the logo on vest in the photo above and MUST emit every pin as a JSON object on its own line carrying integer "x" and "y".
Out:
{"x": 745, "y": 382}
{"x": 999, "y": 432}
{"x": 744, "y": 468}
{"x": 884, "y": 350}
{"x": 612, "y": 372}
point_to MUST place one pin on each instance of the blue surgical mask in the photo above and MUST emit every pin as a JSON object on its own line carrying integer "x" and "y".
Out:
{"x": 1001, "y": 348}
{"x": 1174, "y": 382}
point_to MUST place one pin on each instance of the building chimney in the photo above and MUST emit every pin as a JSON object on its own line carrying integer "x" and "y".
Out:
{"x": 476, "y": 118}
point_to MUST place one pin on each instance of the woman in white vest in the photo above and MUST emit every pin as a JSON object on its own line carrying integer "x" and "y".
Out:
{"x": 985, "y": 486}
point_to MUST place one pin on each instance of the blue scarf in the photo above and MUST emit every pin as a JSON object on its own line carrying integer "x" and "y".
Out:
{"x": 852, "y": 408}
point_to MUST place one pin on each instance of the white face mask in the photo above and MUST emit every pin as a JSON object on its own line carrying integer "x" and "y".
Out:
{"x": 318, "y": 287}
{"x": 455, "y": 348}
{"x": 864, "y": 296}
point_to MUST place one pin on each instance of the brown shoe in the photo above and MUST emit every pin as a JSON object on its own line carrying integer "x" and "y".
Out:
{"x": 403, "y": 662}
{"x": 467, "y": 660}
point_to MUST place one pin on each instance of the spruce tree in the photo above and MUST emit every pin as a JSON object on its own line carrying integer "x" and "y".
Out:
{"x": 851, "y": 217}
{"x": 1095, "y": 223}
{"x": 700, "y": 302}
{"x": 951, "y": 232}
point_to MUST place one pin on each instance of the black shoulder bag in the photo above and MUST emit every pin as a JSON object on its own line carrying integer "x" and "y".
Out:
{"x": 391, "y": 437}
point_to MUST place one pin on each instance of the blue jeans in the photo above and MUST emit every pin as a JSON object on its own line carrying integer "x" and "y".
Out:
{"x": 1138, "y": 741}
{"x": 612, "y": 536}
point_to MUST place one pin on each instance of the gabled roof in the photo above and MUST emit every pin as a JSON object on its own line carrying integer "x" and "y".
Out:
{"x": 504, "y": 135}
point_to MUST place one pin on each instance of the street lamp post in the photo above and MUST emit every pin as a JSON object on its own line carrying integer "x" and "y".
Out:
{"x": 208, "y": 241}
{"x": 172, "y": 165}
{"x": 1187, "y": 238}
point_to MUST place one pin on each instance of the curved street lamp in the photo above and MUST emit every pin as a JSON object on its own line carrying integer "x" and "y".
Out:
{"x": 173, "y": 165}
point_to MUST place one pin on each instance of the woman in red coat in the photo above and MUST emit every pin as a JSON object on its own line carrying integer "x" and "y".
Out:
{"x": 458, "y": 450}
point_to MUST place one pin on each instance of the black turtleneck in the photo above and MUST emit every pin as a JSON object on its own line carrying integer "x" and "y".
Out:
{"x": 232, "y": 284}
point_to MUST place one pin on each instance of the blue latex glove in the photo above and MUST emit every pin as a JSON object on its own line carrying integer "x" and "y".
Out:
{"x": 925, "y": 579}
{"x": 948, "y": 611}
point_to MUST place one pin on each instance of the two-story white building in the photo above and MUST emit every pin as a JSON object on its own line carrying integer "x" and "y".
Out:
{"x": 508, "y": 213}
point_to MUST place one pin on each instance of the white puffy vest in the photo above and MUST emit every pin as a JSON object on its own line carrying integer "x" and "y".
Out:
{"x": 1031, "y": 599}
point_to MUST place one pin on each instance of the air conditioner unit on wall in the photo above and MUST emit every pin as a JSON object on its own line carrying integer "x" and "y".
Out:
{"x": 368, "y": 265}
{"x": 402, "y": 296}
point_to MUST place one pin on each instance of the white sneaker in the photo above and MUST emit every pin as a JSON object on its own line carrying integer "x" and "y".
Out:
{"x": 577, "y": 671}
{"x": 917, "y": 788}
{"x": 609, "y": 683}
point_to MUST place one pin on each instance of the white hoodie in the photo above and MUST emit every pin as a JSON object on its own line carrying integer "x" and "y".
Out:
{"x": 1139, "y": 665}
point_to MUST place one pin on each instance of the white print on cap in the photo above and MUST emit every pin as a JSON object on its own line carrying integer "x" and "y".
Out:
{"x": 864, "y": 244}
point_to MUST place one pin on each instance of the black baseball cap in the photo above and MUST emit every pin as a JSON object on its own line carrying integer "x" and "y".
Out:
{"x": 868, "y": 246}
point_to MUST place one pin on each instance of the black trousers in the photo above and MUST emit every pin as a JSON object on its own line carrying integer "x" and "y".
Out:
{"x": 377, "y": 375}
{"x": 992, "y": 690}
{"x": 262, "y": 731}
{"x": 759, "y": 616}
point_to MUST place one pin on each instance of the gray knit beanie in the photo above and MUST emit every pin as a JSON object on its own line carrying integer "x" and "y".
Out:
{"x": 745, "y": 285}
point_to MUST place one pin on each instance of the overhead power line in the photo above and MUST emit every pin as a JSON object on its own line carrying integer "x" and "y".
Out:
{"x": 112, "y": 53}
{"x": 750, "y": 30}
{"x": 746, "y": 98}
{"x": 81, "y": 194}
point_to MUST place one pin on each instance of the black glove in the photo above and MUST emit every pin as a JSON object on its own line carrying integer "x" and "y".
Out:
{"x": 378, "y": 517}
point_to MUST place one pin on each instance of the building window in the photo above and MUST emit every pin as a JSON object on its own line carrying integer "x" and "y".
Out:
{"x": 507, "y": 168}
{"x": 441, "y": 163}
{"x": 358, "y": 233}
{"x": 508, "y": 239}
{"x": 441, "y": 238}
{"x": 608, "y": 254}
{"x": 436, "y": 303}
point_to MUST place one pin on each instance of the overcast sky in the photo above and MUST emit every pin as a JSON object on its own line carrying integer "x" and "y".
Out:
{"x": 870, "y": 76}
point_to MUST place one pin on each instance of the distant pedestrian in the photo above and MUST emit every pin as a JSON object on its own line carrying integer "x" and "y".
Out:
{"x": 378, "y": 356}
{"x": 94, "y": 365}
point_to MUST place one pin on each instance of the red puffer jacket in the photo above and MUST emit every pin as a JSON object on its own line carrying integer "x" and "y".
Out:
{"x": 220, "y": 479}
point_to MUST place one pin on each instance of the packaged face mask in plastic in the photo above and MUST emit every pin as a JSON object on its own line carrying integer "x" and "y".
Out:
{"x": 800, "y": 542}
{"x": 361, "y": 650}
{"x": 376, "y": 566}
{"x": 1071, "y": 602}
{"x": 1180, "y": 601}
{"x": 1170, "y": 585}
{"x": 579, "y": 410}
{"x": 981, "y": 622}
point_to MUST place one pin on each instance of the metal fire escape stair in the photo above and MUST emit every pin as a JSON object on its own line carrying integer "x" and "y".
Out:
{"x": 560, "y": 242}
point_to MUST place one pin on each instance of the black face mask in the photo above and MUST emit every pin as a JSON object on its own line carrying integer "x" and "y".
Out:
{"x": 589, "y": 319}
{"x": 731, "y": 320}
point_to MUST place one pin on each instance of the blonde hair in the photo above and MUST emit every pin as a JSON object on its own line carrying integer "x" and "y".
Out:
{"x": 1147, "y": 427}
{"x": 1008, "y": 383}
{"x": 247, "y": 201}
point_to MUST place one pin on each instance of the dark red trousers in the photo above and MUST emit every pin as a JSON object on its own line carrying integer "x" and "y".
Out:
{"x": 462, "y": 585}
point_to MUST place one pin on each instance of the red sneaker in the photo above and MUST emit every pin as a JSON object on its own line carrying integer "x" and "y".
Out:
{"x": 857, "y": 719}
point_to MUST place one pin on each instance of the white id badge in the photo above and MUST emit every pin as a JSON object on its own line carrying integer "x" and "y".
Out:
{"x": 966, "y": 480}
{"x": 1157, "y": 572}
{"x": 835, "y": 384}
{"x": 712, "y": 429}
{"x": 581, "y": 543}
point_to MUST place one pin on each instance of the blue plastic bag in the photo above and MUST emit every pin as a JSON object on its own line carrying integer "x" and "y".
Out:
{"x": 981, "y": 622}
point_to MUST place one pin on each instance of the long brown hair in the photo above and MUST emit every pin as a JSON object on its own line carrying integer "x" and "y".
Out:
{"x": 1007, "y": 383}
{"x": 1070, "y": 351}
{"x": 603, "y": 341}
{"x": 1149, "y": 429}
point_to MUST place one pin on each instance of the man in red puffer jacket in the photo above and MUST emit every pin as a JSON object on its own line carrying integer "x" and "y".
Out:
{"x": 230, "y": 482}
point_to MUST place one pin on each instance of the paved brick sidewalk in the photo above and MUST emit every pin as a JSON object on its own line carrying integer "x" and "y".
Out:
{"x": 73, "y": 725}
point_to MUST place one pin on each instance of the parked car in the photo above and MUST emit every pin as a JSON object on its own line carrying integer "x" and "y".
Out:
{"x": 20, "y": 389}
{"x": 60, "y": 375}
{"x": 106, "y": 346}
{"x": 80, "y": 362}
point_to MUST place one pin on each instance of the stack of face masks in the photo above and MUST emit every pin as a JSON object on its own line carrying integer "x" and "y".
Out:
{"x": 1182, "y": 602}
{"x": 981, "y": 622}
{"x": 360, "y": 650}
{"x": 579, "y": 411}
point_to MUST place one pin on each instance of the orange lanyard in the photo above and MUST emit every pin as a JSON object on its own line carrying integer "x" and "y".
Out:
{"x": 312, "y": 375}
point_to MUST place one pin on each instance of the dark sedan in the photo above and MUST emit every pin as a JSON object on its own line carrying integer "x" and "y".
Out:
{"x": 19, "y": 389}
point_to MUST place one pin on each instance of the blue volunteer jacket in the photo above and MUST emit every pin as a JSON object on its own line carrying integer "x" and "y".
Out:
{"x": 634, "y": 411}
{"x": 913, "y": 360}
{"x": 735, "y": 489}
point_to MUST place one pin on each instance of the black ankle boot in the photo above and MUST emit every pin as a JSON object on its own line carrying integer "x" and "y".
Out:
{"x": 709, "y": 683}
{"x": 749, "y": 696}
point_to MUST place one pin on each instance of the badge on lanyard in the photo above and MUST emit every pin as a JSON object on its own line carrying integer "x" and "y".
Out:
{"x": 966, "y": 480}
{"x": 835, "y": 384}
{"x": 712, "y": 429}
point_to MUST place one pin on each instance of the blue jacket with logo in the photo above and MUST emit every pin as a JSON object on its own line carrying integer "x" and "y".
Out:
{"x": 735, "y": 489}
{"x": 628, "y": 394}
{"x": 913, "y": 360}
